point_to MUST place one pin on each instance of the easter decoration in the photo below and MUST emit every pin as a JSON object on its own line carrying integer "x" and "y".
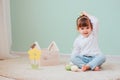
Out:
{"x": 50, "y": 55}
{"x": 68, "y": 67}
{"x": 34, "y": 55}
{"x": 72, "y": 67}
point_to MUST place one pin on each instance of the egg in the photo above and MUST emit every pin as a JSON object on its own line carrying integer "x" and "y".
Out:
{"x": 74, "y": 68}
{"x": 68, "y": 67}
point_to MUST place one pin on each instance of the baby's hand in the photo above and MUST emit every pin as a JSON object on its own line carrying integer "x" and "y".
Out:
{"x": 84, "y": 13}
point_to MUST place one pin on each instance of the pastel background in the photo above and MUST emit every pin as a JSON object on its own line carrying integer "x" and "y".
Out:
{"x": 55, "y": 20}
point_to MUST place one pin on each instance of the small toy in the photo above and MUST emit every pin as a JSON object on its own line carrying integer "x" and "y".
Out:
{"x": 74, "y": 68}
{"x": 53, "y": 46}
{"x": 68, "y": 67}
{"x": 34, "y": 55}
{"x": 51, "y": 55}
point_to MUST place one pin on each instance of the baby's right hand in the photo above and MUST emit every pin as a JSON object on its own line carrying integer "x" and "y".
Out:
{"x": 84, "y": 13}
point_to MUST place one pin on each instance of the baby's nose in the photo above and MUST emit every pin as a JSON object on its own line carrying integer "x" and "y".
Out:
{"x": 85, "y": 31}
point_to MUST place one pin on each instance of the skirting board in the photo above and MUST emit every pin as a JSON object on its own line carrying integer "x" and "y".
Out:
{"x": 61, "y": 54}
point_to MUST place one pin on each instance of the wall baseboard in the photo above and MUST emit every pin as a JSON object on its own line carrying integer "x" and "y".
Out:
{"x": 25, "y": 53}
{"x": 61, "y": 54}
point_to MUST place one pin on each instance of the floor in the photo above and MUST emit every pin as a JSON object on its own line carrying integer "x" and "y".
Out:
{"x": 19, "y": 69}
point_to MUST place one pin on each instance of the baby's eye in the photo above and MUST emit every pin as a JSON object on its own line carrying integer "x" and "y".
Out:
{"x": 87, "y": 27}
{"x": 82, "y": 28}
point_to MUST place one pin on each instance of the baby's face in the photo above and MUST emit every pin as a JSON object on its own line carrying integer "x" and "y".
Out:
{"x": 85, "y": 31}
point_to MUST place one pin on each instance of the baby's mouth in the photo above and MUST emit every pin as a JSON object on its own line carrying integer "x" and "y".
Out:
{"x": 85, "y": 33}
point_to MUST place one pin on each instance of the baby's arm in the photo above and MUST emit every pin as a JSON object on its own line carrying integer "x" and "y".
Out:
{"x": 94, "y": 22}
{"x": 93, "y": 19}
{"x": 76, "y": 48}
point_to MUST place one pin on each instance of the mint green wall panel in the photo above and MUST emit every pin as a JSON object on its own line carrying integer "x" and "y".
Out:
{"x": 55, "y": 20}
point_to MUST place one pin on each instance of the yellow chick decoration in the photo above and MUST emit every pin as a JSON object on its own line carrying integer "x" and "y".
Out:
{"x": 34, "y": 56}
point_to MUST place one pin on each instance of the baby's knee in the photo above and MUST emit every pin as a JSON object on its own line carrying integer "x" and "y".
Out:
{"x": 102, "y": 57}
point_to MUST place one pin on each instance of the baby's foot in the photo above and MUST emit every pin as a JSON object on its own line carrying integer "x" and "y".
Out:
{"x": 85, "y": 67}
{"x": 97, "y": 68}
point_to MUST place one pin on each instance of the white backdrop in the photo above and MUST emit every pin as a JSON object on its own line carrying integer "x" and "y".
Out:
{"x": 5, "y": 29}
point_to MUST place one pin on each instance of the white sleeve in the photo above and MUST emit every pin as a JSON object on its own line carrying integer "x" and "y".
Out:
{"x": 76, "y": 47}
{"x": 94, "y": 22}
